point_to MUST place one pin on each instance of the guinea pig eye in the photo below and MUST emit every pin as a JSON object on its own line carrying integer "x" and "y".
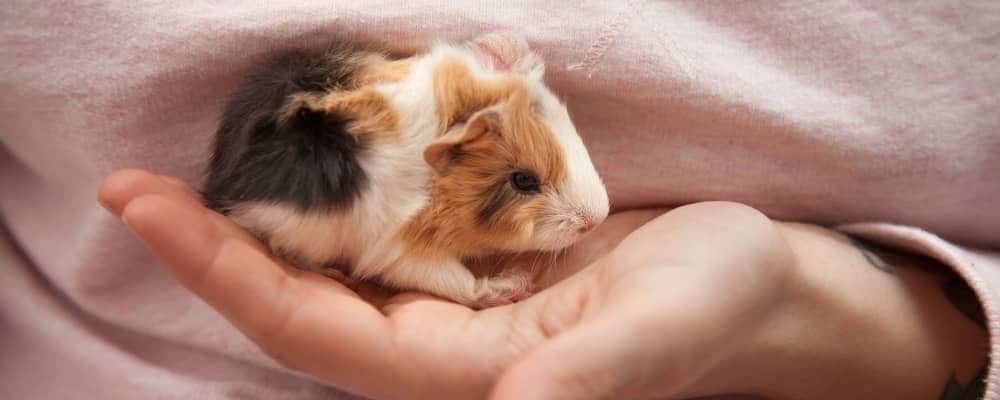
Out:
{"x": 524, "y": 182}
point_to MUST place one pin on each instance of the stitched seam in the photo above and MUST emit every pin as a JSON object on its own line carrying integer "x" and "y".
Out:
{"x": 595, "y": 53}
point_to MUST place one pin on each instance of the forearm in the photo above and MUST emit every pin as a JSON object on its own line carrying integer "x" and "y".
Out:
{"x": 865, "y": 323}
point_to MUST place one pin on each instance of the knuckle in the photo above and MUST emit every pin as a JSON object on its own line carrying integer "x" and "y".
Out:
{"x": 717, "y": 234}
{"x": 737, "y": 223}
{"x": 275, "y": 335}
{"x": 738, "y": 213}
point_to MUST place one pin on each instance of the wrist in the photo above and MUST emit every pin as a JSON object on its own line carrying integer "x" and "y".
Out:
{"x": 848, "y": 330}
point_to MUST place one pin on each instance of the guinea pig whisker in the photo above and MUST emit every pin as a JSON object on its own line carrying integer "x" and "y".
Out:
{"x": 555, "y": 258}
{"x": 504, "y": 257}
{"x": 534, "y": 263}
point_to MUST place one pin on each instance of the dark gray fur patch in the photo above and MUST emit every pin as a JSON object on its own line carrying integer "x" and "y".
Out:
{"x": 310, "y": 161}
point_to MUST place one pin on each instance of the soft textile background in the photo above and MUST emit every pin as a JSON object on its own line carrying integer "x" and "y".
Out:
{"x": 828, "y": 111}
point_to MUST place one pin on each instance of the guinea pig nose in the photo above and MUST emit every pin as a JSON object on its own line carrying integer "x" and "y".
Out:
{"x": 589, "y": 223}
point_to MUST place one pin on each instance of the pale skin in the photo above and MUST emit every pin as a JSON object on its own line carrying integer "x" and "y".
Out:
{"x": 705, "y": 299}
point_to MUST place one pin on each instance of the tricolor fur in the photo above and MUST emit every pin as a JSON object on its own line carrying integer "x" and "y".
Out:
{"x": 399, "y": 168}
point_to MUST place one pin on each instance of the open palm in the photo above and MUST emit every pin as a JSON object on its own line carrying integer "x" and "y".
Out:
{"x": 632, "y": 318}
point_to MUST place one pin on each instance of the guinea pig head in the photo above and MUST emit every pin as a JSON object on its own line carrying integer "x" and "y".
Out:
{"x": 516, "y": 176}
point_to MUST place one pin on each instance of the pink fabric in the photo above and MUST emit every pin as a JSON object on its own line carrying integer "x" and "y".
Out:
{"x": 827, "y": 112}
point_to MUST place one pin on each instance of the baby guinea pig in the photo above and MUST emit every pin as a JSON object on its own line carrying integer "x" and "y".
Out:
{"x": 394, "y": 170}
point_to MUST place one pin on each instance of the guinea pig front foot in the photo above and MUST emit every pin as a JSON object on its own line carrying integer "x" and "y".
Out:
{"x": 339, "y": 276}
{"x": 507, "y": 288}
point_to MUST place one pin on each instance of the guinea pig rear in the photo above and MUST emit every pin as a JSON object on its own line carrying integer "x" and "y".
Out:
{"x": 308, "y": 159}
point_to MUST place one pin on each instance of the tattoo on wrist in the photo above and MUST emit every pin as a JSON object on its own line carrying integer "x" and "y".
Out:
{"x": 961, "y": 297}
{"x": 871, "y": 257}
{"x": 955, "y": 290}
{"x": 954, "y": 287}
{"x": 973, "y": 391}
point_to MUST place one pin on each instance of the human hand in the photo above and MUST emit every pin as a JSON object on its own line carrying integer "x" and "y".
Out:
{"x": 689, "y": 304}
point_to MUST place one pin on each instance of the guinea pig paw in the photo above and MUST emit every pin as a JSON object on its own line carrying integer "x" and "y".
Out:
{"x": 524, "y": 278}
{"x": 505, "y": 289}
{"x": 339, "y": 276}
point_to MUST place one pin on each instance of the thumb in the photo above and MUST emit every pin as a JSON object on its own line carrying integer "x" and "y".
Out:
{"x": 605, "y": 357}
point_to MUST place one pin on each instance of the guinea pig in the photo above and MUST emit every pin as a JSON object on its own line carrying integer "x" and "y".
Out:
{"x": 395, "y": 170}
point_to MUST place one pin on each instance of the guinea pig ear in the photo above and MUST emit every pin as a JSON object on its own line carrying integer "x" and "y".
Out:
{"x": 443, "y": 151}
{"x": 507, "y": 51}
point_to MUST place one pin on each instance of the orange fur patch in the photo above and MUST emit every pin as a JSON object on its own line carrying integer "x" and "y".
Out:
{"x": 459, "y": 94}
{"x": 376, "y": 68}
{"x": 370, "y": 113}
{"x": 473, "y": 208}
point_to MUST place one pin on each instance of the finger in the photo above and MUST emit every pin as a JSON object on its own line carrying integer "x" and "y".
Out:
{"x": 305, "y": 321}
{"x": 122, "y": 186}
{"x": 604, "y": 357}
{"x": 180, "y": 184}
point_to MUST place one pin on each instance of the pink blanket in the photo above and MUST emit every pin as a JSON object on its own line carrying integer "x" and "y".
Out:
{"x": 884, "y": 116}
